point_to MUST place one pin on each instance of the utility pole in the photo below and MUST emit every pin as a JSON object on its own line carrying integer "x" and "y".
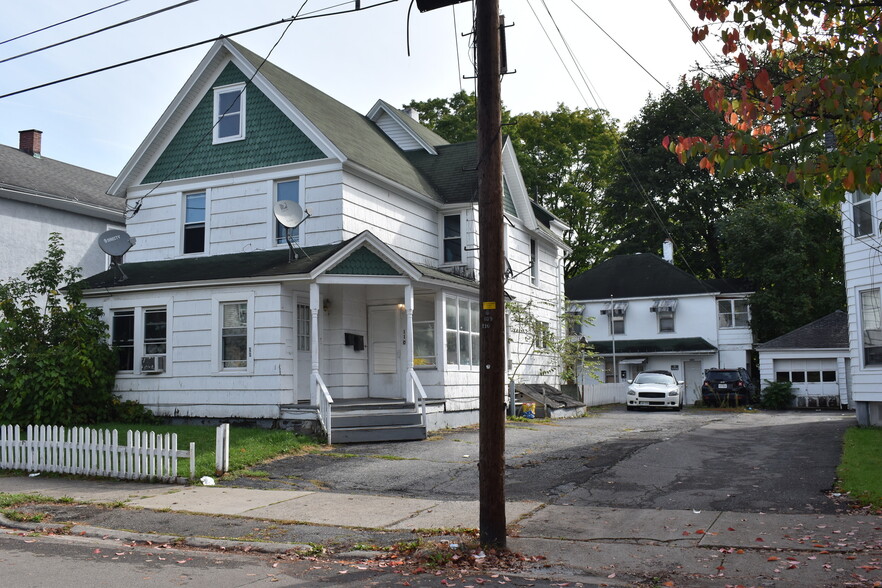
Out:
{"x": 491, "y": 434}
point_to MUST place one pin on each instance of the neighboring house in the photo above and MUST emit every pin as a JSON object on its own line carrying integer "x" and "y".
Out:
{"x": 862, "y": 248}
{"x": 39, "y": 196}
{"x": 650, "y": 315}
{"x": 815, "y": 358}
{"x": 378, "y": 300}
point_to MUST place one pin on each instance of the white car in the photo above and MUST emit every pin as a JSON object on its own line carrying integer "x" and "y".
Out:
{"x": 655, "y": 389}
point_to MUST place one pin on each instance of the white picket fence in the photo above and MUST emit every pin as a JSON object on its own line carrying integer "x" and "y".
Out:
{"x": 94, "y": 452}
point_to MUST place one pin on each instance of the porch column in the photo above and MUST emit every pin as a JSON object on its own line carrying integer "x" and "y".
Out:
{"x": 408, "y": 338}
{"x": 315, "y": 304}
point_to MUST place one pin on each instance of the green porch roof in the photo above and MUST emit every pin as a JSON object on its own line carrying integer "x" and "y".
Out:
{"x": 674, "y": 345}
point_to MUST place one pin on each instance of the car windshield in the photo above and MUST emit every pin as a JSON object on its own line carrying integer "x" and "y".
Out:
{"x": 646, "y": 378}
{"x": 723, "y": 376}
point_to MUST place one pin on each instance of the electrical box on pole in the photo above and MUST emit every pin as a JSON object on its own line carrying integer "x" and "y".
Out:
{"x": 427, "y": 5}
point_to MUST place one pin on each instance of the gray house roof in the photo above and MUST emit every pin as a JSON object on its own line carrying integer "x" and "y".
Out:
{"x": 47, "y": 182}
{"x": 829, "y": 332}
{"x": 633, "y": 276}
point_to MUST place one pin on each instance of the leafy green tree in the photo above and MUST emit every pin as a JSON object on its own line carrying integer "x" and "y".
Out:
{"x": 56, "y": 367}
{"x": 652, "y": 196}
{"x": 454, "y": 118}
{"x": 566, "y": 157}
{"x": 792, "y": 251}
{"x": 794, "y": 72}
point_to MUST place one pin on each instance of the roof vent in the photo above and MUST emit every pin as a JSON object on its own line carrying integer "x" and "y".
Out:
{"x": 30, "y": 141}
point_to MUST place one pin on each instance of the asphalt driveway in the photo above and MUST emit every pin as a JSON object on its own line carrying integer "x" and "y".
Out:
{"x": 751, "y": 461}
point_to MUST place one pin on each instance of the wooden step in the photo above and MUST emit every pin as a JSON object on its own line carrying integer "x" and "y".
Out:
{"x": 377, "y": 434}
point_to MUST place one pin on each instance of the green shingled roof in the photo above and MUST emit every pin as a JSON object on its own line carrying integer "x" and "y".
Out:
{"x": 270, "y": 138}
{"x": 364, "y": 262}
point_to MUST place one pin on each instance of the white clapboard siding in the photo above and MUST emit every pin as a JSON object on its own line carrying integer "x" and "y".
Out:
{"x": 93, "y": 452}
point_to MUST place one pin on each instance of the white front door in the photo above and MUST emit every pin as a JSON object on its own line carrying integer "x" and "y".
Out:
{"x": 385, "y": 347}
{"x": 693, "y": 378}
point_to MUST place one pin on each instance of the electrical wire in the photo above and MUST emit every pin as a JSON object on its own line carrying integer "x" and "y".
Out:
{"x": 306, "y": 16}
{"x": 101, "y": 30}
{"x": 46, "y": 28}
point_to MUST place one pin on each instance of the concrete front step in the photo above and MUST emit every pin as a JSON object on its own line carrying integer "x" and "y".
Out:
{"x": 377, "y": 434}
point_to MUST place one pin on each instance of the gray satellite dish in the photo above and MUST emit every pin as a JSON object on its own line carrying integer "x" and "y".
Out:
{"x": 115, "y": 243}
{"x": 288, "y": 212}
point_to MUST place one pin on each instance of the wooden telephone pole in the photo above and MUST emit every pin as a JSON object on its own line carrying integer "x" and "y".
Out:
{"x": 491, "y": 462}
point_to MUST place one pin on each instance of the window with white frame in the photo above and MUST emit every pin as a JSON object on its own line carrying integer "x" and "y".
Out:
{"x": 733, "y": 313}
{"x": 452, "y": 238}
{"x": 194, "y": 223}
{"x": 304, "y": 328}
{"x": 123, "y": 338}
{"x": 541, "y": 334}
{"x": 664, "y": 310}
{"x": 615, "y": 312}
{"x": 462, "y": 331}
{"x": 288, "y": 190}
{"x": 424, "y": 332}
{"x": 234, "y": 335}
{"x": 862, "y": 213}
{"x": 229, "y": 113}
{"x": 871, "y": 326}
{"x": 534, "y": 262}
{"x": 138, "y": 332}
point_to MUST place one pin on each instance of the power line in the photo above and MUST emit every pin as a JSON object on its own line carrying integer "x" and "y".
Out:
{"x": 101, "y": 30}
{"x": 46, "y": 28}
{"x": 553, "y": 46}
{"x": 306, "y": 16}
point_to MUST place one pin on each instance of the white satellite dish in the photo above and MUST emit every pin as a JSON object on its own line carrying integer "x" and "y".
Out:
{"x": 115, "y": 242}
{"x": 288, "y": 212}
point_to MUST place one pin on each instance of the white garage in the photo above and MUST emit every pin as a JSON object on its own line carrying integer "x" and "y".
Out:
{"x": 815, "y": 359}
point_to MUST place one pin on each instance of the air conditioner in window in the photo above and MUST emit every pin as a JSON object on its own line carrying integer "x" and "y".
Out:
{"x": 152, "y": 364}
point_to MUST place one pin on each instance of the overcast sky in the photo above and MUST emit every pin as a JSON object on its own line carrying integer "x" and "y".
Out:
{"x": 98, "y": 121}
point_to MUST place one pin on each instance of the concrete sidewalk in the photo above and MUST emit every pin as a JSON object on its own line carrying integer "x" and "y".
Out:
{"x": 696, "y": 548}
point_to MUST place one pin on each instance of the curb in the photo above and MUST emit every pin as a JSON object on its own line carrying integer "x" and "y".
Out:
{"x": 152, "y": 539}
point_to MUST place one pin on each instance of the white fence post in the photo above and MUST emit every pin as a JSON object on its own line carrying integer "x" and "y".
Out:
{"x": 222, "y": 449}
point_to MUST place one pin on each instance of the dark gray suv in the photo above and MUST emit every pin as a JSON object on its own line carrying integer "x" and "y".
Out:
{"x": 727, "y": 387}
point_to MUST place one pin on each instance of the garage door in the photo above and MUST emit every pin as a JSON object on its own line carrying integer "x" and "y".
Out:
{"x": 810, "y": 377}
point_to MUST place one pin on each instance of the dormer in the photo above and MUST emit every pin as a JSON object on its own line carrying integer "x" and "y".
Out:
{"x": 404, "y": 128}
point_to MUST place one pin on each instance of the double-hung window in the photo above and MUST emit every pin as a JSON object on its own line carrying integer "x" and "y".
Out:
{"x": 616, "y": 313}
{"x": 462, "y": 331}
{"x": 229, "y": 113}
{"x": 154, "y": 331}
{"x": 194, "y": 223}
{"x": 424, "y": 332}
{"x": 862, "y": 214}
{"x": 664, "y": 310}
{"x": 234, "y": 335}
{"x": 452, "y": 238}
{"x": 123, "y": 338}
{"x": 871, "y": 326}
{"x": 732, "y": 313}
{"x": 287, "y": 191}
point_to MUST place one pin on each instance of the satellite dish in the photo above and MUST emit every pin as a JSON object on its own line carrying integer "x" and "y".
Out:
{"x": 288, "y": 212}
{"x": 115, "y": 242}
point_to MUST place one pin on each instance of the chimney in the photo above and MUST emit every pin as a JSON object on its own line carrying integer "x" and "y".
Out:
{"x": 412, "y": 113}
{"x": 668, "y": 251}
{"x": 30, "y": 141}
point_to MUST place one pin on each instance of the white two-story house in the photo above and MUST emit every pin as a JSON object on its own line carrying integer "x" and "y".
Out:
{"x": 650, "y": 315}
{"x": 862, "y": 247}
{"x": 376, "y": 300}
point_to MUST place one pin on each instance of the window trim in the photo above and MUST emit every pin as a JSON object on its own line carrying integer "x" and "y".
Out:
{"x": 139, "y": 308}
{"x": 442, "y": 234}
{"x": 534, "y": 262}
{"x": 188, "y": 225}
{"x": 303, "y": 318}
{"x": 276, "y": 225}
{"x": 217, "y": 302}
{"x": 731, "y": 313}
{"x": 217, "y": 115}
{"x": 863, "y": 226}
{"x": 863, "y": 321}
{"x": 473, "y": 332}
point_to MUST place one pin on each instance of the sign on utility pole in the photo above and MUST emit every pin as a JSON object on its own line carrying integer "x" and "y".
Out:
{"x": 491, "y": 434}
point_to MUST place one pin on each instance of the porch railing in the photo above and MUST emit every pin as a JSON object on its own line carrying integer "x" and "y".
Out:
{"x": 420, "y": 395}
{"x": 324, "y": 405}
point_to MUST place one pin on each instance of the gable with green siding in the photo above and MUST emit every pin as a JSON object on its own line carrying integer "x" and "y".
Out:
{"x": 270, "y": 138}
{"x": 364, "y": 262}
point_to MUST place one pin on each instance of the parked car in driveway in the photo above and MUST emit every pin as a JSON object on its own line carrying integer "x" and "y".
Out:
{"x": 658, "y": 389}
{"x": 727, "y": 387}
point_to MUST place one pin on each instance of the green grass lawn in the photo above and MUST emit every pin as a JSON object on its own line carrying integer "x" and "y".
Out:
{"x": 860, "y": 471}
{"x": 248, "y": 446}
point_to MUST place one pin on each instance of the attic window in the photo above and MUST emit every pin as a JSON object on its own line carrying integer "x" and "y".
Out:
{"x": 229, "y": 113}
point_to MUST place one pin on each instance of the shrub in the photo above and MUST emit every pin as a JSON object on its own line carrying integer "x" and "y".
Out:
{"x": 56, "y": 367}
{"x": 777, "y": 395}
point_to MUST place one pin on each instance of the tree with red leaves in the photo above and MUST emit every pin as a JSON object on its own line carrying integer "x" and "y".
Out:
{"x": 800, "y": 86}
